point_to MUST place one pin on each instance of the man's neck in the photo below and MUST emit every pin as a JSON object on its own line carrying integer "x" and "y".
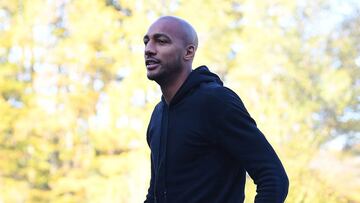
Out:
{"x": 170, "y": 89}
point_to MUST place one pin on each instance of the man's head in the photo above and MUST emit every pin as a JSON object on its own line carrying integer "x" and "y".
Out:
{"x": 170, "y": 46}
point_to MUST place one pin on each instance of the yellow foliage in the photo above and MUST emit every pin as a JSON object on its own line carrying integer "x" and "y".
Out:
{"x": 75, "y": 101}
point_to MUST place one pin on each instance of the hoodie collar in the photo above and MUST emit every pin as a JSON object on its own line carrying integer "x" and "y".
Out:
{"x": 196, "y": 77}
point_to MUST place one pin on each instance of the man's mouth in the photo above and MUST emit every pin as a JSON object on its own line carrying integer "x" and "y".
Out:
{"x": 151, "y": 63}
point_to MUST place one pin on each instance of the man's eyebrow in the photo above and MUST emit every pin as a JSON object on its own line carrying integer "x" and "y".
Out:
{"x": 158, "y": 35}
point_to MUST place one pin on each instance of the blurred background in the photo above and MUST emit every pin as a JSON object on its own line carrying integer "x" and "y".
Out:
{"x": 75, "y": 101}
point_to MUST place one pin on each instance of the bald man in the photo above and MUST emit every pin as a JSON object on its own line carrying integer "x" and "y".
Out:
{"x": 202, "y": 139}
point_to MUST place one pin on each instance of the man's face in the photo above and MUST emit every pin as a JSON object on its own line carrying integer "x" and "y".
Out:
{"x": 163, "y": 51}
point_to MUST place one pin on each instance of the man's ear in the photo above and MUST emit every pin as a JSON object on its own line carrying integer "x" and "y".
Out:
{"x": 190, "y": 52}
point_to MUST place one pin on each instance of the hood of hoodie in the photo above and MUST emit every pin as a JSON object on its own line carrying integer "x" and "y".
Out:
{"x": 196, "y": 77}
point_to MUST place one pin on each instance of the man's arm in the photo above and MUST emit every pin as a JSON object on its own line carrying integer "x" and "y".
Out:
{"x": 149, "y": 196}
{"x": 243, "y": 141}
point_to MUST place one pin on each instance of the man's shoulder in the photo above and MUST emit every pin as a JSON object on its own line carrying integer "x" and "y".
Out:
{"x": 158, "y": 105}
{"x": 218, "y": 93}
{"x": 157, "y": 109}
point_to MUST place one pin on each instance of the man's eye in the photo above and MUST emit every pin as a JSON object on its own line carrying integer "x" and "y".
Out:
{"x": 162, "y": 41}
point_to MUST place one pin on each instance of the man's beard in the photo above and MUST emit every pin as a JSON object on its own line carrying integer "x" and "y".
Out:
{"x": 167, "y": 72}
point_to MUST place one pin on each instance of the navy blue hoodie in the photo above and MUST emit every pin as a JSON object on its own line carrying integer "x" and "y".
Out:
{"x": 203, "y": 142}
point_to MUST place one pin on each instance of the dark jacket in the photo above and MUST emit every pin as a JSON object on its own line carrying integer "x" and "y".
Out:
{"x": 203, "y": 143}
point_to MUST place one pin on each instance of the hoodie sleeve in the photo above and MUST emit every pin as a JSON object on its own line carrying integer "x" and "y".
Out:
{"x": 149, "y": 196}
{"x": 239, "y": 136}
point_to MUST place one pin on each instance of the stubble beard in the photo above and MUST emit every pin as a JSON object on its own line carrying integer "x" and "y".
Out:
{"x": 166, "y": 72}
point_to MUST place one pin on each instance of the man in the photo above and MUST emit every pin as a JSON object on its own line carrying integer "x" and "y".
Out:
{"x": 202, "y": 139}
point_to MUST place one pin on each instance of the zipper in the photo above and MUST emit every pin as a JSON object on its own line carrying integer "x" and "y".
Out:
{"x": 165, "y": 150}
{"x": 163, "y": 146}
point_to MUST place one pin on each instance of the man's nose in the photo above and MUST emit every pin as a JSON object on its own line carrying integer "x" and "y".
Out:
{"x": 150, "y": 49}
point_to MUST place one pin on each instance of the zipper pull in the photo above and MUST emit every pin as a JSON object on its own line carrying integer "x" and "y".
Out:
{"x": 165, "y": 196}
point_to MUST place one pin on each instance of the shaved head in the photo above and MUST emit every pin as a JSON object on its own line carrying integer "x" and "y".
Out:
{"x": 170, "y": 46}
{"x": 184, "y": 30}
